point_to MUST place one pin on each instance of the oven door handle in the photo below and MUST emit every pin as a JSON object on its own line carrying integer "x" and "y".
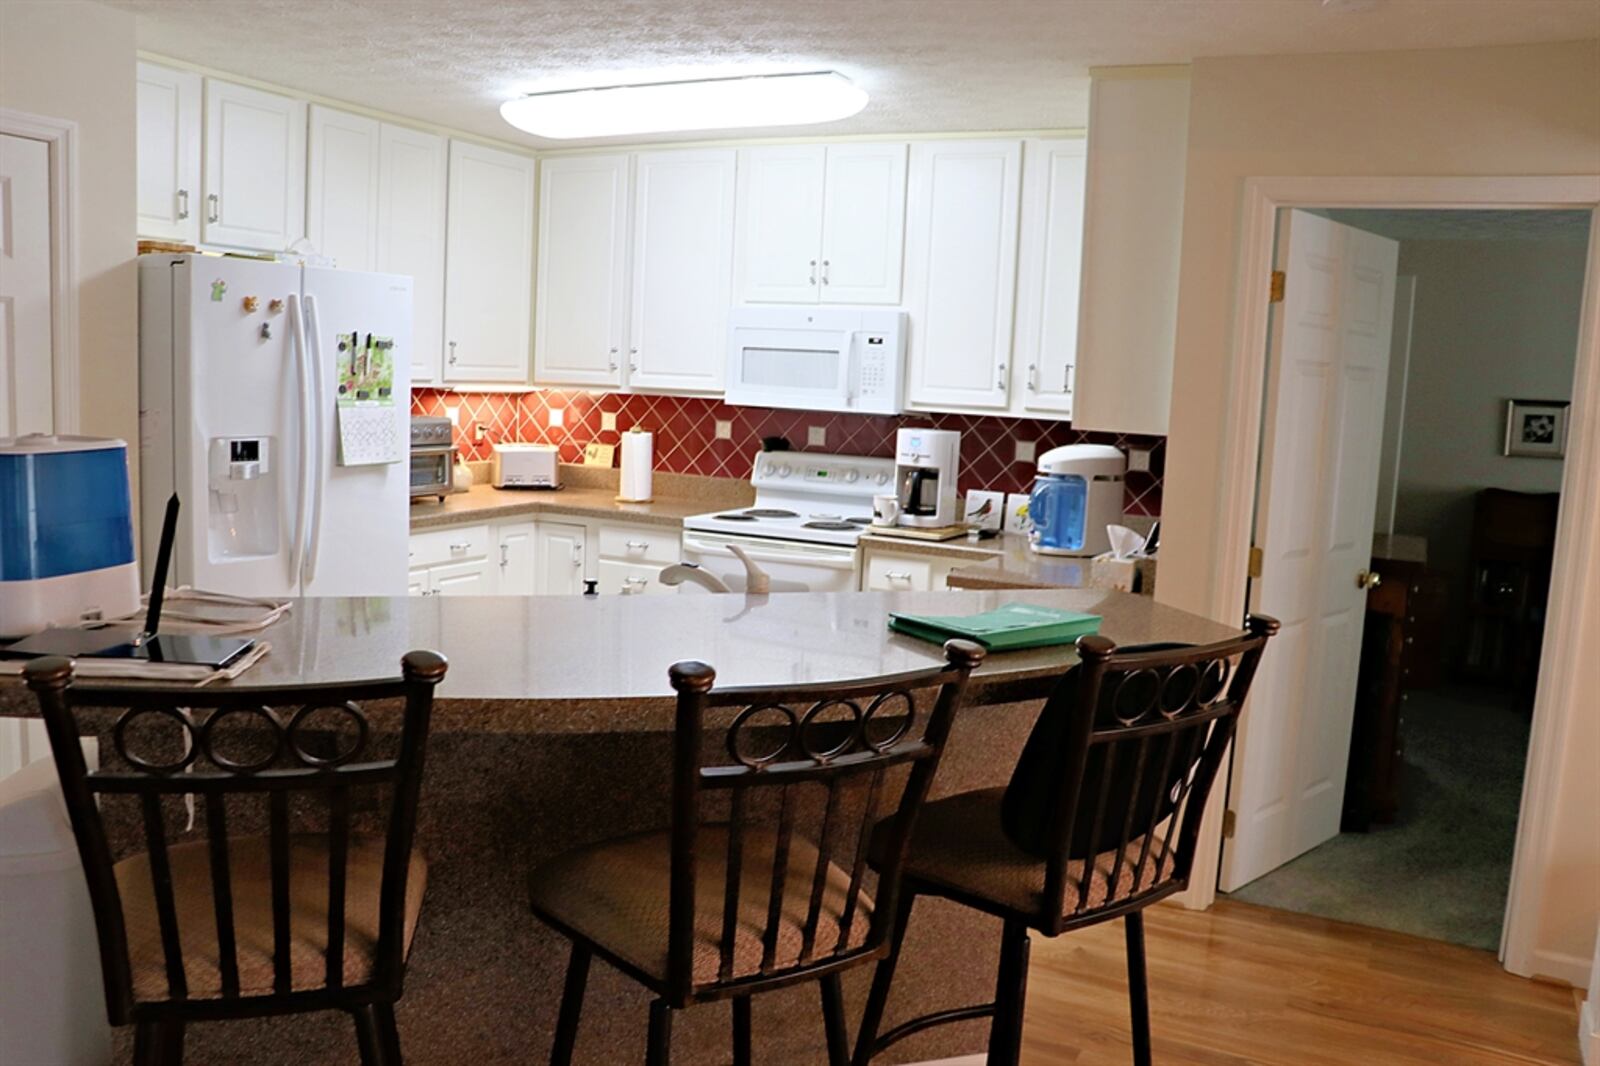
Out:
{"x": 762, "y": 553}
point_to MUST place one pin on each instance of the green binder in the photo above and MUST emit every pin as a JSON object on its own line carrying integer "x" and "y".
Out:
{"x": 1006, "y": 628}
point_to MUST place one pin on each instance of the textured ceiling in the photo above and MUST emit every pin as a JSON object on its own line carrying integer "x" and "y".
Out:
{"x": 929, "y": 65}
{"x": 1424, "y": 225}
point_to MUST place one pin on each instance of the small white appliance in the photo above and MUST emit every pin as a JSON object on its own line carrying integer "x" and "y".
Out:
{"x": 66, "y": 532}
{"x": 802, "y": 530}
{"x": 275, "y": 400}
{"x": 1077, "y": 493}
{"x": 525, "y": 466}
{"x": 433, "y": 454}
{"x": 817, "y": 359}
{"x": 926, "y": 464}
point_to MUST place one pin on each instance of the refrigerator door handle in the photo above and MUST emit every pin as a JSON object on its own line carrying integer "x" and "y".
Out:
{"x": 319, "y": 436}
{"x": 297, "y": 331}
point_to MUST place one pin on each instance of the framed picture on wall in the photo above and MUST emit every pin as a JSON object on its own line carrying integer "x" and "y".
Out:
{"x": 1536, "y": 428}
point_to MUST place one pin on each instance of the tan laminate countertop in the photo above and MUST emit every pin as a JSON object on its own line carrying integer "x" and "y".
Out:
{"x": 1003, "y": 562}
{"x": 484, "y": 503}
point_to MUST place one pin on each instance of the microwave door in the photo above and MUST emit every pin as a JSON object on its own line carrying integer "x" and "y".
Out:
{"x": 796, "y": 373}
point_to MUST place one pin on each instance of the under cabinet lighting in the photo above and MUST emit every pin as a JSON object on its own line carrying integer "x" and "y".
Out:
{"x": 708, "y": 104}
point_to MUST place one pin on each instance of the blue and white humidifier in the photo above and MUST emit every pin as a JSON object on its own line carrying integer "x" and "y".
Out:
{"x": 66, "y": 532}
{"x": 1077, "y": 493}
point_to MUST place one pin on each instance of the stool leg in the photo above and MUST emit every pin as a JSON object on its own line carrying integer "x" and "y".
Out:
{"x": 366, "y": 1036}
{"x": 384, "y": 1037}
{"x": 833, "y": 1021}
{"x": 658, "y": 1051}
{"x": 882, "y": 978}
{"x": 571, "y": 1005}
{"x": 741, "y": 1031}
{"x": 1138, "y": 988}
{"x": 1010, "y": 996}
{"x": 158, "y": 1043}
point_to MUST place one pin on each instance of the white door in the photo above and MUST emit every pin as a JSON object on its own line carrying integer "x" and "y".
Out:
{"x": 1317, "y": 496}
{"x": 412, "y": 169}
{"x": 489, "y": 265}
{"x": 27, "y": 363}
{"x": 583, "y": 273}
{"x": 558, "y": 550}
{"x": 461, "y": 579}
{"x": 342, "y": 156}
{"x": 961, "y": 264}
{"x": 514, "y": 557}
{"x": 1050, "y": 256}
{"x": 682, "y": 270}
{"x": 168, "y": 145}
{"x": 255, "y": 172}
{"x": 780, "y": 223}
{"x": 864, "y": 223}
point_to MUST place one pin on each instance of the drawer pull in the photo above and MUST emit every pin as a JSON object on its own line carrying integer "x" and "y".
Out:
{"x": 637, "y": 545}
{"x": 460, "y": 546}
{"x": 897, "y": 575}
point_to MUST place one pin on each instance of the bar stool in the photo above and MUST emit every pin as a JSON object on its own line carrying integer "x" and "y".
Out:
{"x": 240, "y": 925}
{"x": 1100, "y": 820}
{"x": 740, "y": 896}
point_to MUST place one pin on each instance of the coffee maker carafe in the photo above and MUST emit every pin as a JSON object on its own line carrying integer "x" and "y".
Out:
{"x": 926, "y": 464}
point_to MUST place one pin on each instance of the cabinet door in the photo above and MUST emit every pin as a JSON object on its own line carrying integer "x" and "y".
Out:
{"x": 887, "y": 572}
{"x": 1050, "y": 259}
{"x": 411, "y": 199}
{"x": 168, "y": 136}
{"x": 583, "y": 277}
{"x": 489, "y": 254}
{"x": 780, "y": 223}
{"x": 628, "y": 579}
{"x": 342, "y": 157}
{"x": 514, "y": 556}
{"x": 417, "y": 582}
{"x": 682, "y": 270}
{"x": 462, "y": 579}
{"x": 863, "y": 230}
{"x": 961, "y": 259}
{"x": 558, "y": 559}
{"x": 255, "y": 172}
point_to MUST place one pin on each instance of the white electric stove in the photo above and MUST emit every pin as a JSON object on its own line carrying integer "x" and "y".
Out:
{"x": 808, "y": 514}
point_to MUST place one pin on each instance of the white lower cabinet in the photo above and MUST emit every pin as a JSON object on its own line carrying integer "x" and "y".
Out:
{"x": 631, "y": 558}
{"x": 887, "y": 571}
{"x": 541, "y": 557}
{"x": 516, "y": 573}
{"x": 475, "y": 578}
{"x": 559, "y": 551}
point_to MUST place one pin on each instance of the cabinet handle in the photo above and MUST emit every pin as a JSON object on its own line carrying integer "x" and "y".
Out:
{"x": 630, "y": 583}
{"x": 1000, "y": 376}
{"x": 897, "y": 575}
{"x": 505, "y": 556}
{"x": 452, "y": 353}
{"x": 813, "y": 271}
{"x": 637, "y": 545}
{"x": 613, "y": 354}
{"x": 633, "y": 360}
{"x": 1033, "y": 377}
{"x": 457, "y": 549}
{"x": 1066, "y": 380}
{"x": 825, "y": 272}
{"x": 183, "y": 203}
{"x": 577, "y": 555}
{"x": 213, "y": 208}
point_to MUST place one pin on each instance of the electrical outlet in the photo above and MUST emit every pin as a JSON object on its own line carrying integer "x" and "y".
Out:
{"x": 608, "y": 421}
{"x": 558, "y": 416}
{"x": 816, "y": 436}
{"x": 1138, "y": 460}
{"x": 453, "y": 414}
{"x": 1027, "y": 451}
{"x": 724, "y": 429}
{"x": 480, "y": 432}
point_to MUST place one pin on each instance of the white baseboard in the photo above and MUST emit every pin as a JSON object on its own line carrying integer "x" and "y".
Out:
{"x": 1589, "y": 1029}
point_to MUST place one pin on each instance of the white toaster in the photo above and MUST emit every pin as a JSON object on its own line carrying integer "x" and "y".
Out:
{"x": 525, "y": 466}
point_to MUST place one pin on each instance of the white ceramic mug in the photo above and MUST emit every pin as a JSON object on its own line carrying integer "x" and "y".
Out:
{"x": 885, "y": 510}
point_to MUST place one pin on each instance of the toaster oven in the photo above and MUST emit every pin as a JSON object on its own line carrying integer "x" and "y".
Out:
{"x": 433, "y": 454}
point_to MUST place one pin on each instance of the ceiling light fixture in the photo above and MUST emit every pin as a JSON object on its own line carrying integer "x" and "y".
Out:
{"x": 705, "y": 104}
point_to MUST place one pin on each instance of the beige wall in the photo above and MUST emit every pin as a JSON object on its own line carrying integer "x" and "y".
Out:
{"x": 68, "y": 59}
{"x": 1460, "y": 112}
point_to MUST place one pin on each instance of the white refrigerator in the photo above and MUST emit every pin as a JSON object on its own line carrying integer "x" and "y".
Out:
{"x": 286, "y": 441}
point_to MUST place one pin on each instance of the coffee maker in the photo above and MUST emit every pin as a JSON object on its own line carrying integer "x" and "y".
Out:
{"x": 926, "y": 463}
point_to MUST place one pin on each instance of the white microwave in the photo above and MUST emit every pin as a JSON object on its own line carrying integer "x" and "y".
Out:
{"x": 817, "y": 359}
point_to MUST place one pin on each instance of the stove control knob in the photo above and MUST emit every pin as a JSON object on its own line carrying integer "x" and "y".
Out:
{"x": 852, "y": 477}
{"x": 882, "y": 478}
{"x": 766, "y": 469}
{"x": 785, "y": 470}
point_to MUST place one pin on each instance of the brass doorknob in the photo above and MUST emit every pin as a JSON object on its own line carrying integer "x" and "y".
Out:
{"x": 1368, "y": 579}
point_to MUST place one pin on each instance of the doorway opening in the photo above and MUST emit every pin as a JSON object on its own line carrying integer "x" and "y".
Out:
{"x": 1406, "y": 521}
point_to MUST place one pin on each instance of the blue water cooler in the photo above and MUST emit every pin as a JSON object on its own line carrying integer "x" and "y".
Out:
{"x": 66, "y": 532}
{"x": 1077, "y": 493}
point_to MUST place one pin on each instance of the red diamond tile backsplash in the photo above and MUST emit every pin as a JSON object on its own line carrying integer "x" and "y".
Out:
{"x": 686, "y": 441}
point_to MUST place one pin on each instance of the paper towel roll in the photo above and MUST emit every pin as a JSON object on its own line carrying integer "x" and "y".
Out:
{"x": 634, "y": 483}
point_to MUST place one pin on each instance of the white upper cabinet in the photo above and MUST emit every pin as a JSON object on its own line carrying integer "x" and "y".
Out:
{"x": 682, "y": 269}
{"x": 821, "y": 223}
{"x": 780, "y": 223}
{"x": 168, "y": 136}
{"x": 412, "y": 169}
{"x": 1133, "y": 232}
{"x": 489, "y": 265}
{"x": 961, "y": 260}
{"x": 863, "y": 223}
{"x": 255, "y": 168}
{"x": 342, "y": 155}
{"x": 583, "y": 272}
{"x": 1050, "y": 258}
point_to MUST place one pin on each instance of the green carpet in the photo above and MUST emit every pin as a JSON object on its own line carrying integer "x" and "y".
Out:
{"x": 1442, "y": 869}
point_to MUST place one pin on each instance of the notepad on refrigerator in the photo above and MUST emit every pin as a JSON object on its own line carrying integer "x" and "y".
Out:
{"x": 1006, "y": 628}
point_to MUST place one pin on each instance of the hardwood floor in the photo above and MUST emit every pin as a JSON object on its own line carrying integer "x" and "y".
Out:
{"x": 1243, "y": 984}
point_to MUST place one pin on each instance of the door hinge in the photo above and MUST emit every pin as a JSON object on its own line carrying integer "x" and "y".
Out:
{"x": 1230, "y": 821}
{"x": 1279, "y": 279}
{"x": 1255, "y": 561}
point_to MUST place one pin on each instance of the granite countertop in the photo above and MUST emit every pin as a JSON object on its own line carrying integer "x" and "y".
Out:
{"x": 1003, "y": 562}
{"x": 585, "y": 493}
{"x": 560, "y": 664}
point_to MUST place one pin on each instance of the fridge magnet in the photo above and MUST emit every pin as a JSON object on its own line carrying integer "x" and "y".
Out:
{"x": 1536, "y": 429}
{"x": 369, "y": 431}
{"x": 218, "y": 287}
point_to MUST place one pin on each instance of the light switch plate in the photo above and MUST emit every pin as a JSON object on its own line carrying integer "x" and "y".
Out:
{"x": 816, "y": 436}
{"x": 724, "y": 429}
{"x": 1027, "y": 451}
{"x": 558, "y": 416}
{"x": 608, "y": 420}
{"x": 1138, "y": 460}
{"x": 1017, "y": 513}
{"x": 985, "y": 510}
